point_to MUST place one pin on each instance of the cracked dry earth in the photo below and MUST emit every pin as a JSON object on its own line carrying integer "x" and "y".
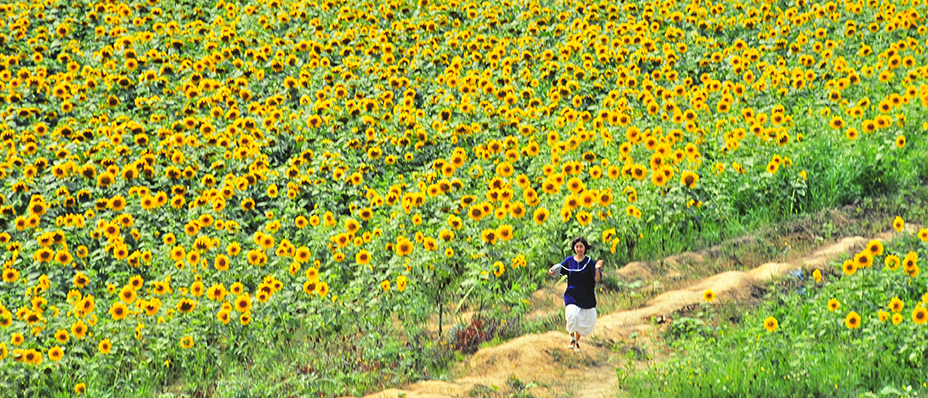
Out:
{"x": 544, "y": 362}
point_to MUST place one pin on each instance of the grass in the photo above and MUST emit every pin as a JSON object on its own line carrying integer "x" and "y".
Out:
{"x": 813, "y": 352}
{"x": 306, "y": 365}
{"x": 874, "y": 213}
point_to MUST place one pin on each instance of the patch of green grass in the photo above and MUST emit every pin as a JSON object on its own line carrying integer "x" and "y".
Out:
{"x": 856, "y": 349}
{"x": 492, "y": 343}
{"x": 309, "y": 365}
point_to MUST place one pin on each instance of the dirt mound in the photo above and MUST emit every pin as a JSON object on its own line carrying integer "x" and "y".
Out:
{"x": 643, "y": 270}
{"x": 526, "y": 357}
{"x": 546, "y": 300}
{"x": 683, "y": 258}
{"x": 637, "y": 270}
{"x": 547, "y": 297}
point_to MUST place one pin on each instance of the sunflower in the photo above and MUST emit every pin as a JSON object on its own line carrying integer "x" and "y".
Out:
{"x": 658, "y": 178}
{"x": 186, "y": 342}
{"x": 882, "y": 315}
{"x": 248, "y": 204}
{"x": 404, "y": 247}
{"x": 216, "y": 292}
{"x": 708, "y": 295}
{"x": 910, "y": 261}
{"x": 875, "y": 248}
{"x": 221, "y": 262}
{"x": 852, "y": 133}
{"x": 223, "y": 316}
{"x": 504, "y": 169}
{"x": 771, "y": 324}
{"x": 43, "y": 255}
{"x": 79, "y": 329}
{"x": 119, "y": 311}
{"x": 505, "y": 232}
{"x": 900, "y": 142}
{"x": 169, "y": 239}
{"x": 849, "y": 267}
{"x": 401, "y": 282}
{"x": 852, "y": 320}
{"x": 498, "y": 269}
{"x": 898, "y": 224}
{"x": 920, "y": 315}
{"x": 363, "y": 257}
{"x": 897, "y": 319}
{"x": 32, "y": 317}
{"x": 32, "y": 357}
{"x": 62, "y": 336}
{"x": 105, "y": 346}
{"x": 892, "y": 262}
{"x": 584, "y": 217}
{"x": 242, "y": 303}
{"x": 136, "y": 282}
{"x": 833, "y": 305}
{"x": 233, "y": 249}
{"x": 772, "y": 167}
{"x": 923, "y": 234}
{"x": 475, "y": 213}
{"x": 689, "y": 179}
{"x": 205, "y": 220}
{"x": 117, "y": 203}
{"x": 896, "y": 305}
{"x": 256, "y": 257}
{"x": 197, "y": 288}
{"x": 55, "y": 353}
{"x": 309, "y": 287}
{"x": 193, "y": 258}
{"x": 11, "y": 275}
{"x": 186, "y": 305}
{"x": 178, "y": 253}
{"x": 605, "y": 198}
{"x": 127, "y": 294}
{"x": 588, "y": 198}
{"x": 863, "y": 260}
{"x": 191, "y": 228}
{"x": 152, "y": 306}
{"x": 575, "y": 185}
{"x": 353, "y": 225}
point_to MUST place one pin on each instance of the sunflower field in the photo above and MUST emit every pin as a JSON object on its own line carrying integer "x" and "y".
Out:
{"x": 182, "y": 180}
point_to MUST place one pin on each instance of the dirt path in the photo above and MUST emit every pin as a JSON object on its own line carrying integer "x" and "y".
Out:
{"x": 541, "y": 364}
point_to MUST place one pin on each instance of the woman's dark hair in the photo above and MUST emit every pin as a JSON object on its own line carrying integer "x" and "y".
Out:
{"x": 586, "y": 245}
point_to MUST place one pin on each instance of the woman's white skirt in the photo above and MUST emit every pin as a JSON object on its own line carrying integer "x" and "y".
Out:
{"x": 580, "y": 319}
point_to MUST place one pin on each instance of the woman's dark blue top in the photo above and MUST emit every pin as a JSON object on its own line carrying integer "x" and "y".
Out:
{"x": 581, "y": 282}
